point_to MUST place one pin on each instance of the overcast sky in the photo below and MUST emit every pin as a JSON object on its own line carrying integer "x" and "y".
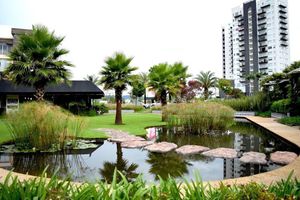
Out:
{"x": 152, "y": 31}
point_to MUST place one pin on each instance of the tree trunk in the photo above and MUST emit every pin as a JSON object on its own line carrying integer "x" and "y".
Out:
{"x": 118, "y": 118}
{"x": 163, "y": 99}
{"x": 205, "y": 93}
{"x": 39, "y": 93}
{"x": 145, "y": 97}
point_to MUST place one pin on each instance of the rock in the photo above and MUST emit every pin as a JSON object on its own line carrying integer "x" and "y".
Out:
{"x": 254, "y": 158}
{"x": 221, "y": 153}
{"x": 135, "y": 144}
{"x": 191, "y": 149}
{"x": 161, "y": 147}
{"x": 283, "y": 157}
{"x": 125, "y": 138}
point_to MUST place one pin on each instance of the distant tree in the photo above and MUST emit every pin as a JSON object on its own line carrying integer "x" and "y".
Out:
{"x": 191, "y": 90}
{"x": 36, "y": 60}
{"x": 225, "y": 85}
{"x": 116, "y": 74}
{"x": 93, "y": 78}
{"x": 138, "y": 87}
{"x": 294, "y": 65}
{"x": 207, "y": 80}
{"x": 145, "y": 80}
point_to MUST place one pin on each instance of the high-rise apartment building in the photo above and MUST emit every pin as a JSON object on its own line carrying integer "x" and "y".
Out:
{"x": 256, "y": 42}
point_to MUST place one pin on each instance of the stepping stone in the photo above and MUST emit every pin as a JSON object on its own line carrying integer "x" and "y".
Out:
{"x": 283, "y": 157}
{"x": 125, "y": 138}
{"x": 135, "y": 144}
{"x": 161, "y": 147}
{"x": 221, "y": 153}
{"x": 254, "y": 158}
{"x": 191, "y": 149}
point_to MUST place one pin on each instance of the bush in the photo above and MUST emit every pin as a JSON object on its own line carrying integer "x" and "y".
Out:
{"x": 291, "y": 121}
{"x": 281, "y": 106}
{"x": 256, "y": 102}
{"x": 42, "y": 126}
{"x": 137, "y": 108}
{"x": 101, "y": 108}
{"x": 263, "y": 114}
{"x": 199, "y": 117}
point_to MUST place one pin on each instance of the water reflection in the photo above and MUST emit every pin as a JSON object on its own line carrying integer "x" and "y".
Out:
{"x": 121, "y": 165}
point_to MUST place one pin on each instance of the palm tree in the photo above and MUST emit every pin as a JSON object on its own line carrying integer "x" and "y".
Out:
{"x": 145, "y": 80}
{"x": 167, "y": 79}
{"x": 93, "y": 78}
{"x": 207, "y": 80}
{"x": 116, "y": 74}
{"x": 36, "y": 60}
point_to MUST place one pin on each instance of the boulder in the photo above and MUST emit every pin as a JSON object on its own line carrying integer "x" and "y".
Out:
{"x": 254, "y": 158}
{"x": 191, "y": 149}
{"x": 161, "y": 147}
{"x": 135, "y": 144}
{"x": 221, "y": 153}
{"x": 283, "y": 157}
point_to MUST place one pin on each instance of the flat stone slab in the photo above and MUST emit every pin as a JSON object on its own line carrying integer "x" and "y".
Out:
{"x": 135, "y": 144}
{"x": 283, "y": 157}
{"x": 161, "y": 147}
{"x": 221, "y": 153}
{"x": 254, "y": 158}
{"x": 120, "y": 136}
{"x": 191, "y": 149}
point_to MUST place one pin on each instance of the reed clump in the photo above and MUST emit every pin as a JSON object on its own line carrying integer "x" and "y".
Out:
{"x": 199, "y": 117}
{"x": 42, "y": 126}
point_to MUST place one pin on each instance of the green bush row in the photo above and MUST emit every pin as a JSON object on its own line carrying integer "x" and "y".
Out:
{"x": 40, "y": 188}
{"x": 281, "y": 106}
{"x": 136, "y": 108}
{"x": 292, "y": 121}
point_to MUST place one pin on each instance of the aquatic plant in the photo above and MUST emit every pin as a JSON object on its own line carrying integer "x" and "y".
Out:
{"x": 200, "y": 117}
{"x": 42, "y": 126}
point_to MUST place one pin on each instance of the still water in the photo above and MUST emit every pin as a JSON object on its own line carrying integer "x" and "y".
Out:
{"x": 98, "y": 164}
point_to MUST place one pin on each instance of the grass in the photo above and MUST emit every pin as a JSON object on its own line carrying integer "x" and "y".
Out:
{"x": 291, "y": 121}
{"x": 39, "y": 188}
{"x": 134, "y": 123}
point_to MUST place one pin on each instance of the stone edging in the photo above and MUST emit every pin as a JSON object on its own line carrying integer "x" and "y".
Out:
{"x": 290, "y": 134}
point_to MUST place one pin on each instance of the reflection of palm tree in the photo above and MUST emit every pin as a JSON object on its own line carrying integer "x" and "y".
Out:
{"x": 121, "y": 165}
{"x": 165, "y": 165}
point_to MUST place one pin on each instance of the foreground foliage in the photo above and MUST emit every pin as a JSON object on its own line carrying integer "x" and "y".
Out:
{"x": 41, "y": 188}
{"x": 42, "y": 126}
{"x": 292, "y": 121}
{"x": 201, "y": 117}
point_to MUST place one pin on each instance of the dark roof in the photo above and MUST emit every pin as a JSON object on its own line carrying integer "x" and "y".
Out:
{"x": 75, "y": 87}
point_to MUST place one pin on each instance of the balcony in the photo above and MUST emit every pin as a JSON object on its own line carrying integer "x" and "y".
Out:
{"x": 281, "y": 6}
{"x": 283, "y": 39}
{"x": 262, "y": 22}
{"x": 282, "y": 21}
{"x": 262, "y": 39}
{"x": 283, "y": 27}
{"x": 284, "y": 44}
{"x": 282, "y": 11}
{"x": 282, "y": 16}
{"x": 263, "y": 67}
{"x": 263, "y": 61}
{"x": 262, "y": 33}
{"x": 261, "y": 17}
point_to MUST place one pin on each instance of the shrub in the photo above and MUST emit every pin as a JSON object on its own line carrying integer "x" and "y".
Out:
{"x": 291, "y": 121}
{"x": 42, "y": 126}
{"x": 256, "y": 102}
{"x": 101, "y": 108}
{"x": 136, "y": 108}
{"x": 281, "y": 106}
{"x": 263, "y": 114}
{"x": 199, "y": 117}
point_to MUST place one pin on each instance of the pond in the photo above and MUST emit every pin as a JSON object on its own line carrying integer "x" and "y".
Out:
{"x": 99, "y": 163}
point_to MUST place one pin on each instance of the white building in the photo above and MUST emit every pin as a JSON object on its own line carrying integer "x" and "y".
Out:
{"x": 258, "y": 42}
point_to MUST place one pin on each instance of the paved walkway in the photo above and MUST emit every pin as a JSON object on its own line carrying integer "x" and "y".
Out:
{"x": 291, "y": 134}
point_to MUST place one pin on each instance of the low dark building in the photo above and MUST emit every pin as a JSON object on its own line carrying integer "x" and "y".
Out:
{"x": 62, "y": 94}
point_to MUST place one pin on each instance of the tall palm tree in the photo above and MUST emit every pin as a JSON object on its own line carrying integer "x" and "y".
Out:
{"x": 36, "y": 60}
{"x": 116, "y": 74}
{"x": 207, "y": 80}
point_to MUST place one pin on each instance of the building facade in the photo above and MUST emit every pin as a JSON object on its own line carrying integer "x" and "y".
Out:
{"x": 257, "y": 43}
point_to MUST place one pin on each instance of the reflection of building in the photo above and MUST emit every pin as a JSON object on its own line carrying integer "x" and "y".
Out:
{"x": 233, "y": 168}
{"x": 257, "y": 40}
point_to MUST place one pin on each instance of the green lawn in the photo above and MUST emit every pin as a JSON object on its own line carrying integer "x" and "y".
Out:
{"x": 134, "y": 123}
